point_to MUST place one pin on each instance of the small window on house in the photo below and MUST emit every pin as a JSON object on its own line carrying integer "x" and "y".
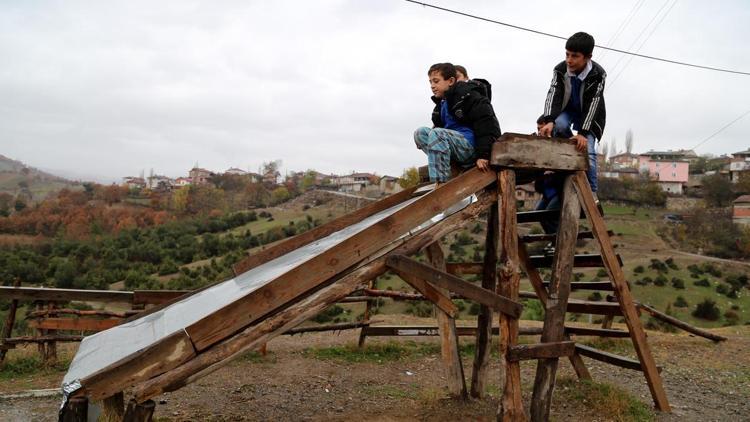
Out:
{"x": 674, "y": 175}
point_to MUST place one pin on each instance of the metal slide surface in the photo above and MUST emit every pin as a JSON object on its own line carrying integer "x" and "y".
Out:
{"x": 107, "y": 347}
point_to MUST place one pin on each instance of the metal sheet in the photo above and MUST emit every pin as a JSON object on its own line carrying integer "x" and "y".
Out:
{"x": 106, "y": 347}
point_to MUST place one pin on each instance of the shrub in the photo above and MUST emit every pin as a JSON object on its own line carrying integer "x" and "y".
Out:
{"x": 707, "y": 310}
{"x": 680, "y": 302}
{"x": 722, "y": 289}
{"x": 477, "y": 228}
{"x": 639, "y": 269}
{"x": 658, "y": 266}
{"x": 329, "y": 314}
{"x": 595, "y": 296}
{"x": 474, "y": 309}
{"x": 671, "y": 264}
{"x": 731, "y": 317}
{"x": 601, "y": 273}
{"x": 660, "y": 280}
{"x": 420, "y": 309}
{"x": 694, "y": 269}
{"x": 533, "y": 310}
{"x": 702, "y": 282}
{"x": 677, "y": 283}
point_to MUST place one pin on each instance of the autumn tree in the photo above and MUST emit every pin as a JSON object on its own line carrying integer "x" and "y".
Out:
{"x": 409, "y": 178}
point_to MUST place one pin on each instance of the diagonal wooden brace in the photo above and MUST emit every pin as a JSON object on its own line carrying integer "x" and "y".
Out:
{"x": 403, "y": 264}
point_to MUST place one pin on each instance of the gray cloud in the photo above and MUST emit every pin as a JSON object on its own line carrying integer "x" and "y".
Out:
{"x": 112, "y": 88}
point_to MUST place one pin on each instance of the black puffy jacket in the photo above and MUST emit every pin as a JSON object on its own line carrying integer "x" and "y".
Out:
{"x": 593, "y": 111}
{"x": 468, "y": 103}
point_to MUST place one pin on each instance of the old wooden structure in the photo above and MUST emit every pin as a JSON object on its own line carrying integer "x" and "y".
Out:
{"x": 301, "y": 292}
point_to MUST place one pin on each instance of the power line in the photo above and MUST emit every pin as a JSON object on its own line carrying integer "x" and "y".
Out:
{"x": 547, "y": 34}
{"x": 722, "y": 129}
{"x": 638, "y": 38}
{"x": 630, "y": 59}
{"x": 623, "y": 25}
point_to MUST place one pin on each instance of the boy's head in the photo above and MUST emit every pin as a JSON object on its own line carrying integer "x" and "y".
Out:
{"x": 539, "y": 123}
{"x": 461, "y": 73}
{"x": 578, "y": 51}
{"x": 442, "y": 76}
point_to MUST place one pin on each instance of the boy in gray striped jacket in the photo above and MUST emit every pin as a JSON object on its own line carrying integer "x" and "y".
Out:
{"x": 576, "y": 98}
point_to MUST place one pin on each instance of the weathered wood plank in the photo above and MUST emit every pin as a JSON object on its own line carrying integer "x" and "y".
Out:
{"x": 681, "y": 324}
{"x": 597, "y": 332}
{"x": 588, "y": 285}
{"x": 430, "y": 292}
{"x": 511, "y": 403}
{"x": 535, "y": 152}
{"x": 611, "y": 358}
{"x": 74, "y": 324}
{"x": 42, "y": 339}
{"x": 450, "y": 282}
{"x": 171, "y": 352}
{"x": 555, "y": 308}
{"x": 539, "y": 261}
{"x": 622, "y": 291}
{"x": 594, "y": 308}
{"x": 550, "y": 237}
{"x": 65, "y": 295}
{"x": 291, "y": 285}
{"x": 483, "y": 345}
{"x": 10, "y": 321}
{"x": 454, "y": 370}
{"x": 542, "y": 350}
{"x": 432, "y": 330}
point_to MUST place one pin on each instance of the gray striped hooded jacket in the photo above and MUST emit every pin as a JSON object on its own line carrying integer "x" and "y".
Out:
{"x": 593, "y": 111}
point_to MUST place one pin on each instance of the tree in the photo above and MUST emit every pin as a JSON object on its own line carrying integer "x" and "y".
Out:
{"x": 409, "y": 178}
{"x": 280, "y": 194}
{"x": 717, "y": 190}
{"x": 613, "y": 148}
{"x": 743, "y": 184}
{"x": 629, "y": 141}
{"x": 20, "y": 204}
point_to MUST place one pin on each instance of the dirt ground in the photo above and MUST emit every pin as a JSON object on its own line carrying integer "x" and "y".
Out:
{"x": 704, "y": 382}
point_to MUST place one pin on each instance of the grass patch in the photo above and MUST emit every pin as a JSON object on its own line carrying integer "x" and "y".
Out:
{"x": 255, "y": 356}
{"x": 611, "y": 345}
{"x": 389, "y": 391}
{"x": 605, "y": 400}
{"x": 30, "y": 365}
{"x": 381, "y": 352}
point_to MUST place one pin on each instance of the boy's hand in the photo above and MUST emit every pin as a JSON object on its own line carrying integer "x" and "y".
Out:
{"x": 483, "y": 165}
{"x": 546, "y": 130}
{"x": 583, "y": 143}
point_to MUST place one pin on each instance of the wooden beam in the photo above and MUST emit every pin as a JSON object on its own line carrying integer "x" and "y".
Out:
{"x": 65, "y": 311}
{"x": 429, "y": 292}
{"x": 622, "y": 291}
{"x": 597, "y": 332}
{"x": 10, "y": 321}
{"x": 139, "y": 412}
{"x": 310, "y": 275}
{"x": 156, "y": 297}
{"x": 511, "y": 403}
{"x": 681, "y": 324}
{"x": 588, "y": 285}
{"x": 173, "y": 351}
{"x": 464, "y": 268}
{"x": 550, "y": 237}
{"x": 611, "y": 358}
{"x": 454, "y": 370}
{"x": 65, "y": 295}
{"x": 406, "y": 265}
{"x": 74, "y": 324}
{"x": 519, "y": 151}
{"x": 576, "y": 306}
{"x": 42, "y": 339}
{"x": 542, "y": 350}
{"x": 581, "y": 261}
{"x": 339, "y": 326}
{"x": 557, "y": 302}
{"x": 317, "y": 233}
{"x": 432, "y": 330}
{"x": 483, "y": 345}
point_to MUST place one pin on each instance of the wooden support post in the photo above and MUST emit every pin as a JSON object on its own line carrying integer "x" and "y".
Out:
{"x": 41, "y": 346}
{"x": 622, "y": 291}
{"x": 607, "y": 322}
{"x": 556, "y": 306}
{"x": 511, "y": 403}
{"x": 480, "y": 369}
{"x": 113, "y": 407}
{"x": 365, "y": 317}
{"x": 51, "y": 345}
{"x": 578, "y": 365}
{"x": 76, "y": 410}
{"x": 448, "y": 337}
{"x": 139, "y": 412}
{"x": 10, "y": 320}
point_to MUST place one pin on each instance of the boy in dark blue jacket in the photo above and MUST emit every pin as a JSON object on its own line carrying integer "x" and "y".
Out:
{"x": 465, "y": 124}
{"x": 576, "y": 97}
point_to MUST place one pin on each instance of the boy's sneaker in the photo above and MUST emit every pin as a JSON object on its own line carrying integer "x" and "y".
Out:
{"x": 598, "y": 204}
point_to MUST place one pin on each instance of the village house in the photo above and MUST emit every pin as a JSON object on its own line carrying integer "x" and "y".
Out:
{"x": 199, "y": 176}
{"x": 389, "y": 185}
{"x": 182, "y": 181}
{"x": 527, "y": 197}
{"x": 624, "y": 161}
{"x": 741, "y": 210}
{"x": 134, "y": 182}
{"x": 670, "y": 169}
{"x": 157, "y": 182}
{"x": 620, "y": 173}
{"x": 740, "y": 163}
{"x": 235, "y": 171}
{"x": 355, "y": 182}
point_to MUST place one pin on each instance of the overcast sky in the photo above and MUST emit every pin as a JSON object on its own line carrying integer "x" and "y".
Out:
{"x": 109, "y": 89}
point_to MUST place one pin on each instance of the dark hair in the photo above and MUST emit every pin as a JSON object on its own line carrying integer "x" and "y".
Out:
{"x": 580, "y": 42}
{"x": 540, "y": 120}
{"x": 462, "y": 69}
{"x": 446, "y": 70}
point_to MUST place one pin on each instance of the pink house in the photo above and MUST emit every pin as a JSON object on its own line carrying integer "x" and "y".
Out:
{"x": 670, "y": 170}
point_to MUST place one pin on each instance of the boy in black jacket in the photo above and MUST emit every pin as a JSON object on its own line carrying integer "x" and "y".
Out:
{"x": 576, "y": 97}
{"x": 465, "y": 124}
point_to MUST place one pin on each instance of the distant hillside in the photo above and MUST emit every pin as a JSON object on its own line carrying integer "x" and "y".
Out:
{"x": 16, "y": 178}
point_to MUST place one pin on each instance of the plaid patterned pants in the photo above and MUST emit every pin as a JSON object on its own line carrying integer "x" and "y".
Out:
{"x": 442, "y": 146}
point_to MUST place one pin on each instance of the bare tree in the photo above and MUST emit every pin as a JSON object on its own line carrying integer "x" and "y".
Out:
{"x": 603, "y": 150}
{"x": 613, "y": 147}
{"x": 629, "y": 141}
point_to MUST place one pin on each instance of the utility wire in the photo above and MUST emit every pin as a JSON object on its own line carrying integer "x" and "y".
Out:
{"x": 623, "y": 25}
{"x": 547, "y": 34}
{"x": 722, "y": 129}
{"x": 630, "y": 59}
